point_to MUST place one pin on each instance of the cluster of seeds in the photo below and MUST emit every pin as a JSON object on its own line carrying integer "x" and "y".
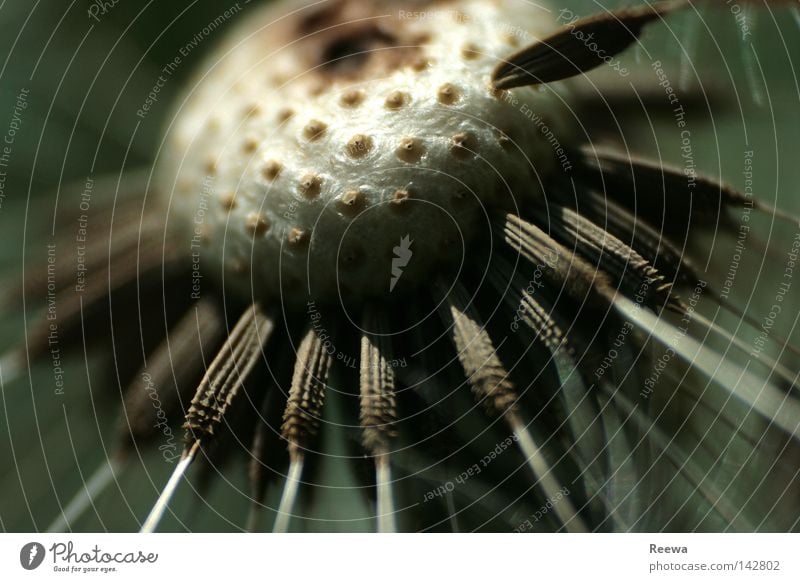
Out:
{"x": 309, "y": 165}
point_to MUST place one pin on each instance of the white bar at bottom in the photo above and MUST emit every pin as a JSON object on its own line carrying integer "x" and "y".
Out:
{"x": 404, "y": 557}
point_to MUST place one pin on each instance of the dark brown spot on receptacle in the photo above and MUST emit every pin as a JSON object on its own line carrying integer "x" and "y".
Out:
{"x": 352, "y": 97}
{"x": 463, "y": 144}
{"x": 470, "y": 51}
{"x": 314, "y": 129}
{"x": 421, "y": 38}
{"x": 272, "y": 169}
{"x": 400, "y": 199}
{"x": 250, "y": 145}
{"x": 359, "y": 145}
{"x": 298, "y": 238}
{"x": 499, "y": 94}
{"x": 252, "y": 110}
{"x": 420, "y": 63}
{"x": 317, "y": 87}
{"x": 351, "y": 202}
{"x": 284, "y": 115}
{"x": 511, "y": 39}
{"x": 256, "y": 224}
{"x": 310, "y": 186}
{"x": 228, "y": 201}
{"x": 237, "y": 266}
{"x": 396, "y": 100}
{"x": 410, "y": 150}
{"x": 448, "y": 94}
{"x": 504, "y": 139}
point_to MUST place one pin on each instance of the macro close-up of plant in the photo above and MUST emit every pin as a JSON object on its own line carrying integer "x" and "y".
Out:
{"x": 400, "y": 266}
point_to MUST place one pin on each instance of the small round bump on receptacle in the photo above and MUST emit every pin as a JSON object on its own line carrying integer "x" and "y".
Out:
{"x": 284, "y": 115}
{"x": 228, "y": 201}
{"x": 310, "y": 186}
{"x": 359, "y": 145}
{"x": 499, "y": 94}
{"x": 448, "y": 94}
{"x": 278, "y": 79}
{"x": 316, "y": 88}
{"x": 204, "y": 232}
{"x": 314, "y": 129}
{"x": 420, "y": 63}
{"x": 400, "y": 199}
{"x": 504, "y": 139}
{"x": 421, "y": 38}
{"x": 211, "y": 165}
{"x": 351, "y": 202}
{"x": 352, "y": 98}
{"x": 256, "y": 224}
{"x": 298, "y": 238}
{"x": 470, "y": 51}
{"x": 272, "y": 169}
{"x": 250, "y": 145}
{"x": 252, "y": 110}
{"x": 237, "y": 265}
{"x": 510, "y": 39}
{"x": 463, "y": 144}
{"x": 396, "y": 100}
{"x": 410, "y": 150}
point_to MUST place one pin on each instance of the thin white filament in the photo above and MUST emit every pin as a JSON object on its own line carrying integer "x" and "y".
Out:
{"x": 289, "y": 495}
{"x": 383, "y": 480}
{"x": 154, "y": 518}
{"x": 547, "y": 481}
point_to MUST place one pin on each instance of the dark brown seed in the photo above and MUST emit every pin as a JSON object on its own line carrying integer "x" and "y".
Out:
{"x": 303, "y": 412}
{"x": 378, "y": 404}
{"x": 579, "y": 46}
{"x": 226, "y": 374}
{"x": 488, "y": 378}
